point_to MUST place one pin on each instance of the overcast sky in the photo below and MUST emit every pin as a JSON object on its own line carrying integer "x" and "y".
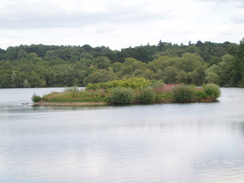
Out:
{"x": 119, "y": 23}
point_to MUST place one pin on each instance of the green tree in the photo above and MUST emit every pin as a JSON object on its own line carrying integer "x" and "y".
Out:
{"x": 211, "y": 74}
{"x": 188, "y": 62}
{"x": 131, "y": 65}
{"x": 117, "y": 67}
{"x": 98, "y": 76}
{"x": 181, "y": 77}
{"x": 212, "y": 77}
{"x": 229, "y": 70}
{"x": 160, "y": 63}
{"x": 198, "y": 75}
{"x": 170, "y": 75}
{"x": 102, "y": 62}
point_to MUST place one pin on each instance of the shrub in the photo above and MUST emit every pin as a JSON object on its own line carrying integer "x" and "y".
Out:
{"x": 36, "y": 98}
{"x": 200, "y": 94}
{"x": 121, "y": 96}
{"x": 146, "y": 96}
{"x": 183, "y": 93}
{"x": 212, "y": 91}
{"x": 133, "y": 83}
{"x": 163, "y": 97}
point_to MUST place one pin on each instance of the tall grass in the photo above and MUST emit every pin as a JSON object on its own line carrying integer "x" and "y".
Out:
{"x": 81, "y": 96}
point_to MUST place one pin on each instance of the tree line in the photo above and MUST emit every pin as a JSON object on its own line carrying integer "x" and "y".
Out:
{"x": 51, "y": 66}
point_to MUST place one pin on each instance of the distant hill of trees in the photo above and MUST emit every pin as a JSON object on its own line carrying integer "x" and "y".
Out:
{"x": 51, "y": 66}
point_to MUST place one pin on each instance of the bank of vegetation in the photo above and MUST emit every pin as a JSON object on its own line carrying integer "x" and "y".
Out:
{"x": 51, "y": 66}
{"x": 130, "y": 91}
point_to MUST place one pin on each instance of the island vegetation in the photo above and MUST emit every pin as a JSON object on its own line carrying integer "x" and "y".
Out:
{"x": 130, "y": 91}
{"x": 65, "y": 66}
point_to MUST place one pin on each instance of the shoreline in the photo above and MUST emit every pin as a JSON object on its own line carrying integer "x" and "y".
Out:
{"x": 105, "y": 103}
{"x": 70, "y": 103}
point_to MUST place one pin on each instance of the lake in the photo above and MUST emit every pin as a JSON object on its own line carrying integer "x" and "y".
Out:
{"x": 172, "y": 143}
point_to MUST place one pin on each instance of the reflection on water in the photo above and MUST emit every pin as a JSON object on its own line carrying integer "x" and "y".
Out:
{"x": 185, "y": 143}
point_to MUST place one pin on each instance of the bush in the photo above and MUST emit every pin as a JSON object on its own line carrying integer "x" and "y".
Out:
{"x": 183, "y": 93}
{"x": 200, "y": 94}
{"x": 133, "y": 83}
{"x": 121, "y": 96}
{"x": 146, "y": 96}
{"x": 212, "y": 91}
{"x": 36, "y": 98}
{"x": 163, "y": 97}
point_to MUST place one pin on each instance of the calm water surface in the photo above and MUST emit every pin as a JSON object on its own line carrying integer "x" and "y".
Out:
{"x": 172, "y": 143}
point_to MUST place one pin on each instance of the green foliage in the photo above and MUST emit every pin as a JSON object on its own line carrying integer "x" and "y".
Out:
{"x": 164, "y": 97}
{"x": 212, "y": 77}
{"x": 121, "y": 96}
{"x": 51, "y": 66}
{"x": 36, "y": 98}
{"x": 170, "y": 74}
{"x": 229, "y": 70}
{"x": 46, "y": 97}
{"x": 181, "y": 77}
{"x": 199, "y": 94}
{"x": 102, "y": 62}
{"x": 198, "y": 75}
{"x": 146, "y": 96}
{"x": 99, "y": 76}
{"x": 156, "y": 93}
{"x": 133, "y": 83}
{"x": 212, "y": 91}
{"x": 81, "y": 96}
{"x": 157, "y": 84}
{"x": 183, "y": 93}
{"x": 74, "y": 91}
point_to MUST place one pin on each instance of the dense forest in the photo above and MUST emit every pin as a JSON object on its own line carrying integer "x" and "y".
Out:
{"x": 51, "y": 66}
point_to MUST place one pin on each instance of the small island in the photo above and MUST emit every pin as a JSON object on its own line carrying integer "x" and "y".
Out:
{"x": 129, "y": 91}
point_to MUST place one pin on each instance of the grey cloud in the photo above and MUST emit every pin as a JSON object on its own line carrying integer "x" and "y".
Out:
{"x": 21, "y": 16}
{"x": 50, "y": 21}
{"x": 66, "y": 20}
